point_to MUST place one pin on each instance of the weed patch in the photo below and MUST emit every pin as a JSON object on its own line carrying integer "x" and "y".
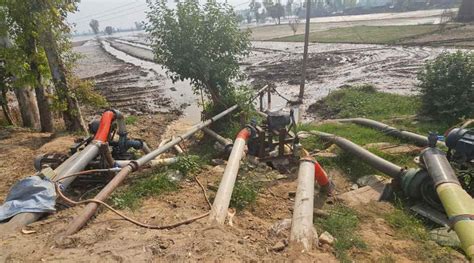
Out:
{"x": 342, "y": 224}
{"x": 131, "y": 119}
{"x": 152, "y": 184}
{"x": 244, "y": 194}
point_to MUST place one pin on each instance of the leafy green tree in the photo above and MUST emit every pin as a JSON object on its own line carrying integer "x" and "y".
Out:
{"x": 94, "y": 24}
{"x": 21, "y": 17}
{"x": 53, "y": 31}
{"x": 199, "y": 43}
{"x": 447, "y": 89}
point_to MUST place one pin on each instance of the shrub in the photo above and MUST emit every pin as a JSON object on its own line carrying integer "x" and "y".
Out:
{"x": 447, "y": 86}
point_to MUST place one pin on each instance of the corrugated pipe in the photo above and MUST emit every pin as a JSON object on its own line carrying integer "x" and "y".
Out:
{"x": 373, "y": 160}
{"x": 302, "y": 229}
{"x": 74, "y": 164}
{"x": 226, "y": 186}
{"x": 389, "y": 130}
{"x": 457, "y": 203}
{"x": 91, "y": 208}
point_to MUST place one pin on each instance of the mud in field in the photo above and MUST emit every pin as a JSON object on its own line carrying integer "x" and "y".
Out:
{"x": 330, "y": 66}
{"x": 126, "y": 87}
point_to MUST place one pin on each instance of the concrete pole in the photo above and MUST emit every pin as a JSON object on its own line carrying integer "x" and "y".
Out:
{"x": 302, "y": 229}
{"x": 305, "y": 52}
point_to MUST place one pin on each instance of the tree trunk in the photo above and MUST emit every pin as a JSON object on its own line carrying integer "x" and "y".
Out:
{"x": 28, "y": 107}
{"x": 4, "y": 103}
{"x": 466, "y": 11}
{"x": 46, "y": 118}
{"x": 72, "y": 114}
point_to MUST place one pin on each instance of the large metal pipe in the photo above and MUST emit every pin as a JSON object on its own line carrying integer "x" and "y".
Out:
{"x": 302, "y": 229}
{"x": 91, "y": 208}
{"x": 76, "y": 163}
{"x": 457, "y": 203}
{"x": 373, "y": 160}
{"x": 226, "y": 186}
{"x": 389, "y": 130}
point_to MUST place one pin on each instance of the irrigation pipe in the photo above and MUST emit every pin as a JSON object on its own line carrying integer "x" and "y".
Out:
{"x": 129, "y": 219}
{"x": 389, "y": 130}
{"x": 373, "y": 160}
{"x": 91, "y": 208}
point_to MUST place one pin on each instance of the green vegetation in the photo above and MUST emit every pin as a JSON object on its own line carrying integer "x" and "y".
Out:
{"x": 244, "y": 194}
{"x": 149, "y": 184}
{"x": 189, "y": 39}
{"x": 365, "y": 101}
{"x": 188, "y": 164}
{"x": 131, "y": 120}
{"x": 365, "y": 34}
{"x": 447, "y": 87}
{"x": 342, "y": 223}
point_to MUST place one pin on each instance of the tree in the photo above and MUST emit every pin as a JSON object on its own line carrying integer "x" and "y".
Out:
{"x": 139, "y": 25}
{"x": 94, "y": 24}
{"x": 294, "y": 23}
{"x": 53, "y": 30}
{"x": 466, "y": 11}
{"x": 22, "y": 25}
{"x": 275, "y": 11}
{"x": 199, "y": 43}
{"x": 289, "y": 7}
{"x": 447, "y": 88}
{"x": 254, "y": 7}
{"x": 109, "y": 30}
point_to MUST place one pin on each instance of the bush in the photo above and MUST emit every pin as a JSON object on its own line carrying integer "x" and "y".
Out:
{"x": 447, "y": 87}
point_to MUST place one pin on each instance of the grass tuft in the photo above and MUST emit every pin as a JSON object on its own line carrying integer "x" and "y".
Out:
{"x": 342, "y": 224}
{"x": 244, "y": 194}
{"x": 131, "y": 120}
{"x": 152, "y": 184}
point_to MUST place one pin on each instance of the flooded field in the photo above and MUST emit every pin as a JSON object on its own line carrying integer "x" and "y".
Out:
{"x": 331, "y": 66}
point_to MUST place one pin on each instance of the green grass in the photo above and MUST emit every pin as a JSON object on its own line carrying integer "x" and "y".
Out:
{"x": 364, "y": 101}
{"x": 365, "y": 34}
{"x": 131, "y": 119}
{"x": 150, "y": 184}
{"x": 244, "y": 194}
{"x": 188, "y": 164}
{"x": 342, "y": 224}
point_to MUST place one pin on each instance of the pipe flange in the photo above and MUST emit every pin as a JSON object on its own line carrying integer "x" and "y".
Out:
{"x": 308, "y": 159}
{"x": 134, "y": 165}
{"x": 453, "y": 220}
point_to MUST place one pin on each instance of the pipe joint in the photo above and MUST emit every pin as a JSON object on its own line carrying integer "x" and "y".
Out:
{"x": 438, "y": 166}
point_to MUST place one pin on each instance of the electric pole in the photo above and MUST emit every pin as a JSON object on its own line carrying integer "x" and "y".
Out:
{"x": 305, "y": 52}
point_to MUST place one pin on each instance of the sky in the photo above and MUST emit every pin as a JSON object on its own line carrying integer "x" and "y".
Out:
{"x": 119, "y": 13}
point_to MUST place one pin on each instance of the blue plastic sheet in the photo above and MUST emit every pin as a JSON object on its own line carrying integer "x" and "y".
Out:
{"x": 32, "y": 194}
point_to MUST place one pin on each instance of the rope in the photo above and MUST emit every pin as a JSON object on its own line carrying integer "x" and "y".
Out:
{"x": 129, "y": 219}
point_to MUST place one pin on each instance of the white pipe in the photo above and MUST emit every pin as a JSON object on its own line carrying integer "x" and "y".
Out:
{"x": 224, "y": 193}
{"x": 302, "y": 229}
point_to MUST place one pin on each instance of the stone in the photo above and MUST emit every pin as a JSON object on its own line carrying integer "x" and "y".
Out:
{"x": 326, "y": 238}
{"x": 369, "y": 180}
{"x": 217, "y": 161}
{"x": 354, "y": 187}
{"x": 280, "y": 226}
{"x": 279, "y": 246}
